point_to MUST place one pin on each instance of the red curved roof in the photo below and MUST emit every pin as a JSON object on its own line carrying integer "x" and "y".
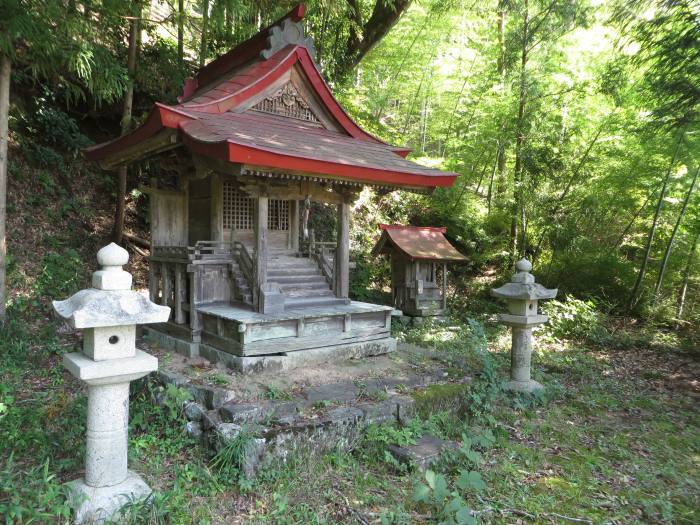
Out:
{"x": 211, "y": 121}
{"x": 424, "y": 243}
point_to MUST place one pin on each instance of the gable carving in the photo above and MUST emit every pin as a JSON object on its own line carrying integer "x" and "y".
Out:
{"x": 287, "y": 102}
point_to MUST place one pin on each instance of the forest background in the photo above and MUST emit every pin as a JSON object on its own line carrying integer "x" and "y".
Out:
{"x": 573, "y": 127}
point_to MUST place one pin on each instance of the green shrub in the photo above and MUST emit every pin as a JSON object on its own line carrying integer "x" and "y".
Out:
{"x": 573, "y": 319}
{"x": 61, "y": 274}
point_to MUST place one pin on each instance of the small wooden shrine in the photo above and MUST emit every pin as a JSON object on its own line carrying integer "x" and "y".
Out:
{"x": 256, "y": 137}
{"x": 419, "y": 257}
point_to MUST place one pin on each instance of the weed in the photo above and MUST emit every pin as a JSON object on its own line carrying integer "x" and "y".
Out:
{"x": 277, "y": 394}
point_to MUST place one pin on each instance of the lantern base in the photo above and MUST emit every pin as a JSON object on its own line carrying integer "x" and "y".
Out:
{"x": 523, "y": 386}
{"x": 99, "y": 504}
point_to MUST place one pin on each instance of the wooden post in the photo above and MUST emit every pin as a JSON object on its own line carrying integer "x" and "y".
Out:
{"x": 153, "y": 281}
{"x": 179, "y": 295}
{"x": 260, "y": 256}
{"x": 167, "y": 285}
{"x": 294, "y": 225}
{"x": 195, "y": 294}
{"x": 342, "y": 252}
{"x": 217, "y": 215}
{"x": 444, "y": 286}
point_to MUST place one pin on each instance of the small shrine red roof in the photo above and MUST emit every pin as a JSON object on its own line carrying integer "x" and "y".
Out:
{"x": 425, "y": 243}
{"x": 217, "y": 118}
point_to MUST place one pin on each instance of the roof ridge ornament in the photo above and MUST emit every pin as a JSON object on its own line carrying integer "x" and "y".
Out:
{"x": 288, "y": 33}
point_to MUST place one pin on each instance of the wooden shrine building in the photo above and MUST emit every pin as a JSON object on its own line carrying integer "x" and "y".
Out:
{"x": 255, "y": 138}
{"x": 419, "y": 257}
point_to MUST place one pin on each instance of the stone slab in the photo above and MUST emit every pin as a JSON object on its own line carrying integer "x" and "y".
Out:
{"x": 423, "y": 453}
{"x": 527, "y": 387}
{"x": 95, "y": 505}
{"x": 111, "y": 371}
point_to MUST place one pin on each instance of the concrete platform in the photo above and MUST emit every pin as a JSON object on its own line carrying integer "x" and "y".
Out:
{"x": 249, "y": 341}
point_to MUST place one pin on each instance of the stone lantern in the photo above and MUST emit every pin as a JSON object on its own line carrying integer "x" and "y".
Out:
{"x": 522, "y": 294}
{"x": 108, "y": 314}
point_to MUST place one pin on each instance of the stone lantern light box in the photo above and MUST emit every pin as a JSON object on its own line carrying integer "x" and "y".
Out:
{"x": 108, "y": 314}
{"x": 522, "y": 294}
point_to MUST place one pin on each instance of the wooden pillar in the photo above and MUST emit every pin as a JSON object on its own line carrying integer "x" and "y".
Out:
{"x": 260, "y": 256}
{"x": 342, "y": 252}
{"x": 167, "y": 289}
{"x": 294, "y": 225}
{"x": 444, "y": 286}
{"x": 217, "y": 208}
{"x": 179, "y": 294}
{"x": 195, "y": 295}
{"x": 153, "y": 281}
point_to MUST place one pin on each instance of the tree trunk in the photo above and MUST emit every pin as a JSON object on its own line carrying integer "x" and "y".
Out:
{"x": 181, "y": 31}
{"x": 205, "y": 27}
{"x": 669, "y": 246}
{"x": 634, "y": 298}
{"x": 363, "y": 37}
{"x": 686, "y": 277}
{"x": 501, "y": 153}
{"x": 228, "y": 21}
{"x": 5, "y": 72}
{"x": 518, "y": 208}
{"x": 126, "y": 123}
{"x": 624, "y": 233}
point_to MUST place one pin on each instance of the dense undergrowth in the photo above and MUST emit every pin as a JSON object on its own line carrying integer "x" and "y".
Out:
{"x": 613, "y": 439}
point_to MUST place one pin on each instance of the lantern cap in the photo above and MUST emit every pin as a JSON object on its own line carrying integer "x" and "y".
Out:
{"x": 523, "y": 286}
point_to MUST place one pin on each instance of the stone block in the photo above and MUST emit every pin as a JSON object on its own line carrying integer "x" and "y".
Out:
{"x": 244, "y": 412}
{"x": 423, "y": 453}
{"x": 338, "y": 392}
{"x": 523, "y": 386}
{"x": 193, "y": 411}
{"x": 224, "y": 433}
{"x": 379, "y": 412}
{"x": 110, "y": 371}
{"x": 210, "y": 419}
{"x": 194, "y": 429}
{"x": 96, "y": 505}
{"x": 109, "y": 342}
{"x": 111, "y": 280}
{"x": 166, "y": 377}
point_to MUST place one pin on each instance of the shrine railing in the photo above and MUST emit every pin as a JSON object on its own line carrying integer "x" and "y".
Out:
{"x": 202, "y": 251}
{"x": 245, "y": 263}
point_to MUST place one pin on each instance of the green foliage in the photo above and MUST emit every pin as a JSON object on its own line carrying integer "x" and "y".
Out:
{"x": 275, "y": 393}
{"x": 229, "y": 461}
{"x": 31, "y": 495}
{"x": 447, "y": 507}
{"x": 61, "y": 274}
{"x": 573, "y": 319}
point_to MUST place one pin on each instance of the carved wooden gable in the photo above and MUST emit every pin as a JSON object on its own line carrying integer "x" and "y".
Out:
{"x": 287, "y": 102}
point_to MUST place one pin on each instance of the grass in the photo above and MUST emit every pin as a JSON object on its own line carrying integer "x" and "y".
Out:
{"x": 614, "y": 439}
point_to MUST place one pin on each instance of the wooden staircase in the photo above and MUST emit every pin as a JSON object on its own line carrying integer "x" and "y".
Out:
{"x": 300, "y": 280}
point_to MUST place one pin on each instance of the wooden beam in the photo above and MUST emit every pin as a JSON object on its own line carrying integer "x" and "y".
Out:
{"x": 163, "y": 141}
